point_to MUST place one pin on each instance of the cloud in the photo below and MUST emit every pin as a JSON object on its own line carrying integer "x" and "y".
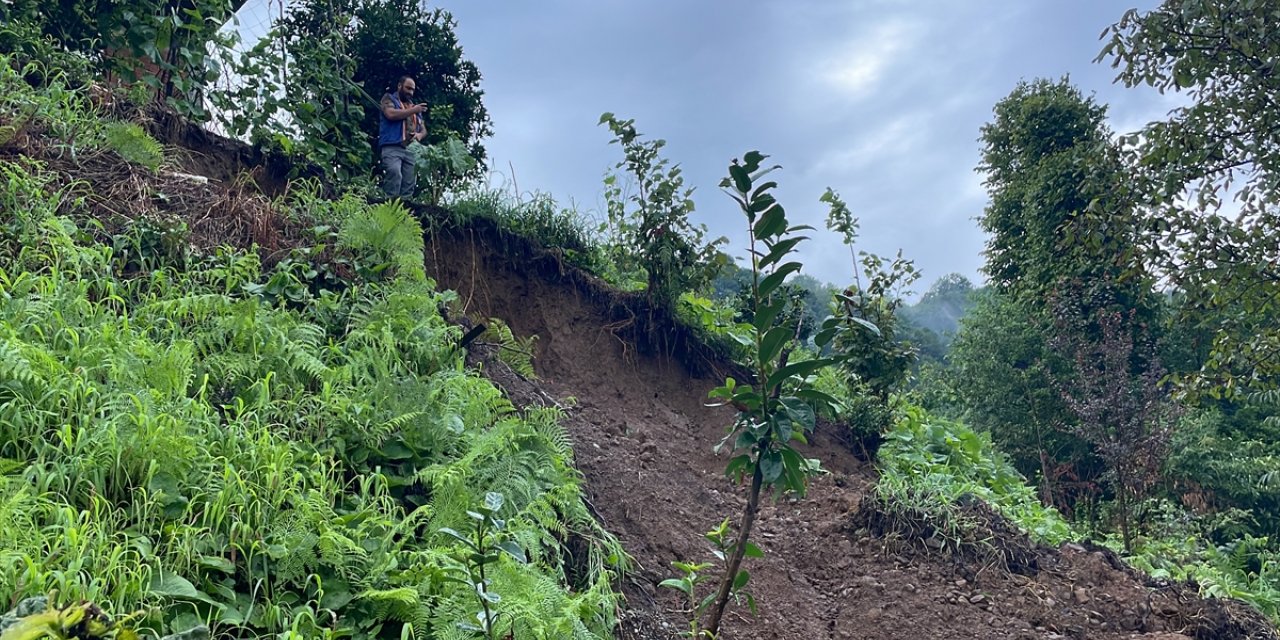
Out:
{"x": 856, "y": 67}
{"x": 887, "y": 143}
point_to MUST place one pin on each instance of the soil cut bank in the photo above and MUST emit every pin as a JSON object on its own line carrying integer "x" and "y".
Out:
{"x": 835, "y": 566}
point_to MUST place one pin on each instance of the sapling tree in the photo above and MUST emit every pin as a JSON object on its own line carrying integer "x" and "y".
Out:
{"x": 483, "y": 547}
{"x": 696, "y": 573}
{"x": 874, "y": 365}
{"x": 775, "y": 410}
{"x": 1116, "y": 396}
{"x": 650, "y": 227}
{"x": 442, "y": 166}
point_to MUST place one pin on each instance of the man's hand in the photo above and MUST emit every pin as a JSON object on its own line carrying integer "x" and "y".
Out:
{"x": 417, "y": 137}
{"x": 419, "y": 108}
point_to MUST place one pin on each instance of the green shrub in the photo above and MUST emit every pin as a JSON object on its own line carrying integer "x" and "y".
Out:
{"x": 927, "y": 464}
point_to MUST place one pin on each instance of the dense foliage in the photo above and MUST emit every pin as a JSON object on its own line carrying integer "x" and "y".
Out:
{"x": 1221, "y": 155}
{"x": 311, "y": 87}
{"x": 162, "y": 45}
{"x": 210, "y": 442}
{"x": 296, "y": 449}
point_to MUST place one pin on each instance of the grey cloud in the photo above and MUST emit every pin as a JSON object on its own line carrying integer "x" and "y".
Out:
{"x": 881, "y": 100}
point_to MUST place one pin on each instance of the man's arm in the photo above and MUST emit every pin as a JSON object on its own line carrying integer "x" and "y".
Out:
{"x": 394, "y": 114}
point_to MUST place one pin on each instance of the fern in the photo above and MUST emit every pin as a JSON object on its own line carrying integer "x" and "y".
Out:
{"x": 516, "y": 352}
{"x": 133, "y": 144}
{"x": 403, "y": 605}
{"x": 388, "y": 232}
{"x": 176, "y": 437}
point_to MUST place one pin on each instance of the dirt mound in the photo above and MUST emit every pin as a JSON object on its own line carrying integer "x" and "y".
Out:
{"x": 837, "y": 565}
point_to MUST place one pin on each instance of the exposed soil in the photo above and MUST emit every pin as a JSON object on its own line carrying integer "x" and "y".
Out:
{"x": 838, "y": 563}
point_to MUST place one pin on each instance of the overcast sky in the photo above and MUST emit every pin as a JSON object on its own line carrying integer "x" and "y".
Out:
{"x": 881, "y": 100}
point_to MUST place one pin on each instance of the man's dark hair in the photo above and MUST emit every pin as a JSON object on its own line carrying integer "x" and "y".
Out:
{"x": 401, "y": 79}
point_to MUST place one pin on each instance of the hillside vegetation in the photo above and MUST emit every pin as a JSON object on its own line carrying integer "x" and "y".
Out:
{"x": 216, "y": 441}
{"x": 228, "y": 414}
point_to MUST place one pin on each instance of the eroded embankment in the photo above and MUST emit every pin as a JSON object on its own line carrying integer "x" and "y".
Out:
{"x": 837, "y": 566}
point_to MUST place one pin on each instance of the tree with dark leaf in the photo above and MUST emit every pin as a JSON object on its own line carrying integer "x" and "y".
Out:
{"x": 403, "y": 37}
{"x": 1115, "y": 393}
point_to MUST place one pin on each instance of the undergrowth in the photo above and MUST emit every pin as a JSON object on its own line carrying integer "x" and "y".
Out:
{"x": 930, "y": 466}
{"x": 537, "y": 216}
{"x": 179, "y": 438}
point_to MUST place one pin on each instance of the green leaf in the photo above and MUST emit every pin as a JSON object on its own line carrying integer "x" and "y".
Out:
{"x": 706, "y": 601}
{"x": 752, "y": 160}
{"x": 775, "y": 279}
{"x": 759, "y": 192}
{"x": 771, "y": 466}
{"x": 780, "y": 250}
{"x": 752, "y": 551}
{"x": 762, "y": 202}
{"x": 395, "y": 450}
{"x": 772, "y": 342}
{"x": 766, "y": 313}
{"x": 512, "y": 549}
{"x": 800, "y": 412}
{"x": 455, "y": 535}
{"x": 493, "y": 501}
{"x": 872, "y": 327}
{"x": 739, "y": 465}
{"x": 782, "y": 427}
{"x": 741, "y": 178}
{"x": 679, "y": 584}
{"x": 216, "y": 563}
{"x": 740, "y": 580}
{"x": 771, "y": 223}
{"x": 482, "y": 559}
{"x": 171, "y": 585}
{"x": 801, "y": 369}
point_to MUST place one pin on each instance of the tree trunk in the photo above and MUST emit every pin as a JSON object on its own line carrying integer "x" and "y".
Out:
{"x": 740, "y": 549}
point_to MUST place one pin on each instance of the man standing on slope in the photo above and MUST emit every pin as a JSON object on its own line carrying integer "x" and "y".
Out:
{"x": 399, "y": 124}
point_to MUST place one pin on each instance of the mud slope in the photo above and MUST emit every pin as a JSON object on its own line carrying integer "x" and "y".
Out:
{"x": 833, "y": 570}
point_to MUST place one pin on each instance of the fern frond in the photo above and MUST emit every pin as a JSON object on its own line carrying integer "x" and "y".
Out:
{"x": 515, "y": 351}
{"x": 133, "y": 144}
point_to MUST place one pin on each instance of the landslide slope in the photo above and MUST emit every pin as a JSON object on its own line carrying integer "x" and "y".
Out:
{"x": 837, "y": 565}
{"x": 634, "y": 385}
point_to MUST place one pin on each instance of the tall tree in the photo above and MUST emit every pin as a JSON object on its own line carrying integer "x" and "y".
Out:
{"x": 1056, "y": 212}
{"x": 1057, "y": 219}
{"x": 1222, "y": 154}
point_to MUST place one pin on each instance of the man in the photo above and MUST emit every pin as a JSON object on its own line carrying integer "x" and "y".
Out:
{"x": 399, "y": 124}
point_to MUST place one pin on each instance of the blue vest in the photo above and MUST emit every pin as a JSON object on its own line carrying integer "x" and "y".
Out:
{"x": 392, "y": 132}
